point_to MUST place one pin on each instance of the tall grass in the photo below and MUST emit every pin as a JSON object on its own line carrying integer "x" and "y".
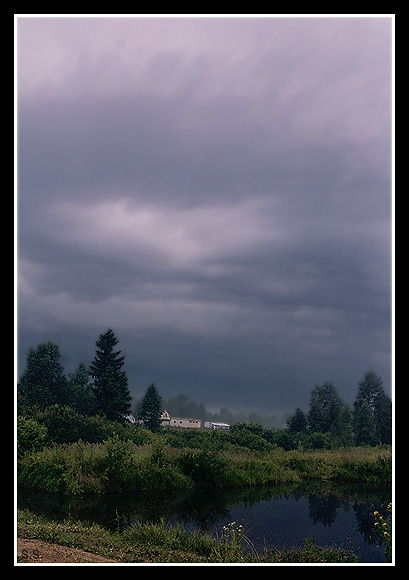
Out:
{"x": 117, "y": 465}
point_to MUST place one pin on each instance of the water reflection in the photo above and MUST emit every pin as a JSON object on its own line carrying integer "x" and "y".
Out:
{"x": 281, "y": 514}
{"x": 323, "y": 509}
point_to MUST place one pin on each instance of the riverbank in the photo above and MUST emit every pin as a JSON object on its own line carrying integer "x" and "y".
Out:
{"x": 118, "y": 466}
{"x": 74, "y": 542}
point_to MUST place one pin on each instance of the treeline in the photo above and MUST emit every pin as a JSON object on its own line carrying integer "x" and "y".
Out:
{"x": 100, "y": 393}
{"x": 369, "y": 423}
{"x": 101, "y": 389}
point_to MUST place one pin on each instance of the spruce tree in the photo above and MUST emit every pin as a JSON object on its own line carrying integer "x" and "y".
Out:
{"x": 110, "y": 382}
{"x": 297, "y": 423}
{"x": 150, "y": 410}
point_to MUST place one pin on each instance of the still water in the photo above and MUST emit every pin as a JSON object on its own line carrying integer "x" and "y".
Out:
{"x": 271, "y": 516}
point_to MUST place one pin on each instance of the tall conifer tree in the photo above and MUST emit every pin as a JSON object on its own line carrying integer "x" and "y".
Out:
{"x": 150, "y": 410}
{"x": 111, "y": 383}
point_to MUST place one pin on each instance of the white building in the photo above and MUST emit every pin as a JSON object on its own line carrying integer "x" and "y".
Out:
{"x": 168, "y": 421}
{"x": 165, "y": 419}
{"x": 186, "y": 423}
{"x": 212, "y": 425}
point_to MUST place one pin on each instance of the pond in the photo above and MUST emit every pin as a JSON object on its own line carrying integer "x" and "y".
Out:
{"x": 276, "y": 517}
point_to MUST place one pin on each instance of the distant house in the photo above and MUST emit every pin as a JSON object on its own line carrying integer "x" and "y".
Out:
{"x": 165, "y": 419}
{"x": 213, "y": 425}
{"x": 185, "y": 423}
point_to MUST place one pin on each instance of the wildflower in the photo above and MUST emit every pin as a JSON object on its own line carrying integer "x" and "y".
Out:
{"x": 376, "y": 523}
{"x": 376, "y": 514}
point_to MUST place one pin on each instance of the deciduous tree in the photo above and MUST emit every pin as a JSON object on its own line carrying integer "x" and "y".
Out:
{"x": 324, "y": 409}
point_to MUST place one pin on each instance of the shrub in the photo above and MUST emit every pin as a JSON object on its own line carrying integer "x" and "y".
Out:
{"x": 31, "y": 435}
{"x": 118, "y": 464}
{"x": 247, "y": 438}
{"x": 204, "y": 467}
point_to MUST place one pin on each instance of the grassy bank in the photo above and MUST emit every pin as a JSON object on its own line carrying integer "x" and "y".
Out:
{"x": 121, "y": 465}
{"x": 157, "y": 543}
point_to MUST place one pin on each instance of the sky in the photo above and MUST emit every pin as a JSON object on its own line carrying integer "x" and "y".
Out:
{"x": 218, "y": 191}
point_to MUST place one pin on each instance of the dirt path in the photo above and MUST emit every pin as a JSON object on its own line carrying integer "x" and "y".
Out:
{"x": 39, "y": 552}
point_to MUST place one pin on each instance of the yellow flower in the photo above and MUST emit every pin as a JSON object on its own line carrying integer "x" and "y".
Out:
{"x": 376, "y": 514}
{"x": 376, "y": 523}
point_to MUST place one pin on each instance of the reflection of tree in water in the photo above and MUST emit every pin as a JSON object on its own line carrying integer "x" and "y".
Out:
{"x": 323, "y": 509}
{"x": 202, "y": 508}
{"x": 365, "y": 518}
{"x": 206, "y": 507}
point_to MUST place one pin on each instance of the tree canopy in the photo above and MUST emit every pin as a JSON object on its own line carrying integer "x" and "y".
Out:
{"x": 43, "y": 382}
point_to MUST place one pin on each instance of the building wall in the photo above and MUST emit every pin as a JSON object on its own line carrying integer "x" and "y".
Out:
{"x": 211, "y": 425}
{"x": 186, "y": 423}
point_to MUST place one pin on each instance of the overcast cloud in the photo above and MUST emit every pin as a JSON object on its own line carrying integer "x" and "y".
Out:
{"x": 215, "y": 190}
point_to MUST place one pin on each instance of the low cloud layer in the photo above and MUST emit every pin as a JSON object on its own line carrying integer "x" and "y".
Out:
{"x": 216, "y": 190}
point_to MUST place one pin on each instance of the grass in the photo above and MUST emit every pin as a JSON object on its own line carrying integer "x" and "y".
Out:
{"x": 117, "y": 466}
{"x": 159, "y": 543}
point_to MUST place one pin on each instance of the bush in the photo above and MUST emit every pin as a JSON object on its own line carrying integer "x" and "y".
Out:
{"x": 118, "y": 464}
{"x": 31, "y": 435}
{"x": 204, "y": 467}
{"x": 247, "y": 438}
{"x": 66, "y": 425}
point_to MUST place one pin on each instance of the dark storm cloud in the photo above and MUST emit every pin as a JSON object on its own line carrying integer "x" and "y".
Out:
{"x": 217, "y": 192}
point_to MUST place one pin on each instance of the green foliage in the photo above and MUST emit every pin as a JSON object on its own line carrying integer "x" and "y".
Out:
{"x": 43, "y": 382}
{"x": 158, "y": 542}
{"x": 111, "y": 383}
{"x": 298, "y": 423}
{"x": 372, "y": 412}
{"x": 31, "y": 435}
{"x": 365, "y": 426}
{"x": 383, "y": 530}
{"x": 313, "y": 554}
{"x": 118, "y": 464}
{"x": 82, "y": 396}
{"x": 66, "y": 425}
{"x": 249, "y": 435}
{"x": 150, "y": 411}
{"x": 341, "y": 430}
{"x": 324, "y": 408}
{"x": 193, "y": 438}
{"x": 205, "y": 468}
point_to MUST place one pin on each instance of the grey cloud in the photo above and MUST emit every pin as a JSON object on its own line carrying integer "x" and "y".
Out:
{"x": 219, "y": 195}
